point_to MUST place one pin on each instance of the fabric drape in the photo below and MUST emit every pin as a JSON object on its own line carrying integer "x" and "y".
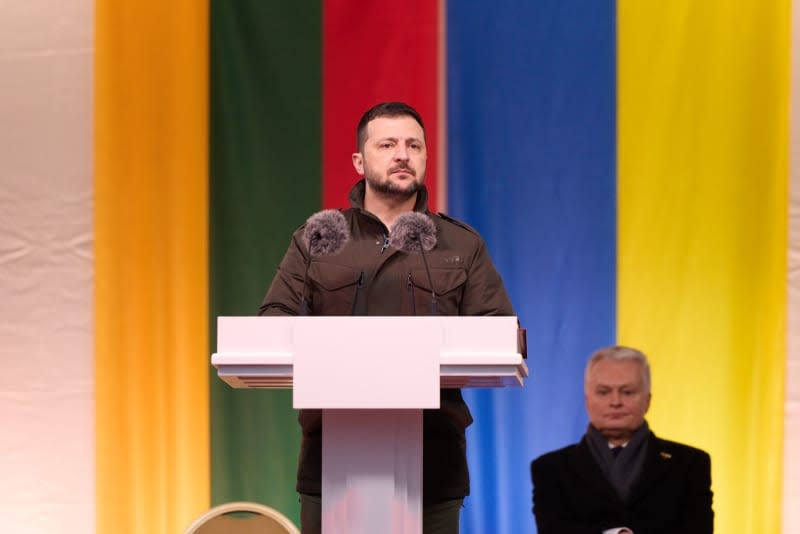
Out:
{"x": 151, "y": 264}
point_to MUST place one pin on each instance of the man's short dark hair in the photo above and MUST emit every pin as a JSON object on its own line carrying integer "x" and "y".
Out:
{"x": 384, "y": 109}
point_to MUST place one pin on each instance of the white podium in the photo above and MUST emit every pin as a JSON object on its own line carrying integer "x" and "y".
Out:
{"x": 372, "y": 377}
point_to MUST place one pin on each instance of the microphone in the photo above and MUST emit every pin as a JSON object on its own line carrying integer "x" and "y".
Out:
{"x": 326, "y": 233}
{"x": 414, "y": 232}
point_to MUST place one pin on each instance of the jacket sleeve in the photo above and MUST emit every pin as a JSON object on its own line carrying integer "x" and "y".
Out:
{"x": 484, "y": 292}
{"x": 550, "y": 502}
{"x": 283, "y": 297}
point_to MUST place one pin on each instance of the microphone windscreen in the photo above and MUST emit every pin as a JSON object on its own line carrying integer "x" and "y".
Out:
{"x": 412, "y": 230}
{"x": 326, "y": 233}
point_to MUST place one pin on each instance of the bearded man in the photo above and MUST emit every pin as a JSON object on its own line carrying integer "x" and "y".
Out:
{"x": 369, "y": 276}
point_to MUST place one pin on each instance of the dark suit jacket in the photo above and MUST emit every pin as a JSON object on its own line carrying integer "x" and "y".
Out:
{"x": 673, "y": 494}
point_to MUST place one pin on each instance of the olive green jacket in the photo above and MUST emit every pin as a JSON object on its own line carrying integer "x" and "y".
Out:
{"x": 369, "y": 277}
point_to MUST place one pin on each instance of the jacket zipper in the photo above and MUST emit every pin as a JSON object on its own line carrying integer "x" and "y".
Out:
{"x": 385, "y": 243}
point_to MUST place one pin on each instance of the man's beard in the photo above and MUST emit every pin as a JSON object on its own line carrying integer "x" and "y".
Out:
{"x": 389, "y": 189}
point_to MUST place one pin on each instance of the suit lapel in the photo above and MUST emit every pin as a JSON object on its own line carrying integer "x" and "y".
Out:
{"x": 657, "y": 464}
{"x": 584, "y": 467}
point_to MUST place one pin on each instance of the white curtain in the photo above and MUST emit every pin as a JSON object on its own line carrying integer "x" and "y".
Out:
{"x": 46, "y": 324}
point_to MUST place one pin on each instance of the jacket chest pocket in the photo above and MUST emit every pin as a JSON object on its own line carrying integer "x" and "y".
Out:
{"x": 448, "y": 284}
{"x": 334, "y": 288}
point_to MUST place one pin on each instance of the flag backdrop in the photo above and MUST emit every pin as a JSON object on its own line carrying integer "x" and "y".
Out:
{"x": 630, "y": 165}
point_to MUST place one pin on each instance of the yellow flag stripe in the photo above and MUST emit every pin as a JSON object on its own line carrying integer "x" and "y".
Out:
{"x": 151, "y": 304}
{"x": 702, "y": 192}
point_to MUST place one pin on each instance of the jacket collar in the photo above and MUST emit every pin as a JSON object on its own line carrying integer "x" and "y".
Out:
{"x": 356, "y": 197}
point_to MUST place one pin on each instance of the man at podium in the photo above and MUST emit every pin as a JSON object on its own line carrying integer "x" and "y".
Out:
{"x": 389, "y": 255}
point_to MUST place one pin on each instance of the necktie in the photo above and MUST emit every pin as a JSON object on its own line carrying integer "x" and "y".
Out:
{"x": 616, "y": 450}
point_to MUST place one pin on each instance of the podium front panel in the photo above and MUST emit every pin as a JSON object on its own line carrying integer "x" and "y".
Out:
{"x": 366, "y": 362}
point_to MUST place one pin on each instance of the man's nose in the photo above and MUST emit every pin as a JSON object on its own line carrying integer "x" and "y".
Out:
{"x": 616, "y": 398}
{"x": 401, "y": 152}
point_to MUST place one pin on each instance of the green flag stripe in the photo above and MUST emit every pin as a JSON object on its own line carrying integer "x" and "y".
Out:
{"x": 265, "y": 179}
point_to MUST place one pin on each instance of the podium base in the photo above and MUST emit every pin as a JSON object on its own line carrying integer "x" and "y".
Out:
{"x": 372, "y": 471}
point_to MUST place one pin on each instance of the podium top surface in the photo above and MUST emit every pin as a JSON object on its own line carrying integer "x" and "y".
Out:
{"x": 262, "y": 352}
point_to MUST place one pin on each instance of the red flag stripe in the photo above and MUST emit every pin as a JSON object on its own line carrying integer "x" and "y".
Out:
{"x": 375, "y": 52}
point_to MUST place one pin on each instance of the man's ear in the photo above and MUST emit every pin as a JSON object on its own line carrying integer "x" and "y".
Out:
{"x": 358, "y": 163}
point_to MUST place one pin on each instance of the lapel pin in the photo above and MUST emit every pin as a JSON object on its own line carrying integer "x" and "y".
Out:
{"x": 665, "y": 455}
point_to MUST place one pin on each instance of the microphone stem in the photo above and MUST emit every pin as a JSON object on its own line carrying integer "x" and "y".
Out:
{"x": 303, "y": 301}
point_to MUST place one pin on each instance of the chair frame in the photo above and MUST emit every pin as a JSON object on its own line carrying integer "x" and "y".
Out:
{"x": 243, "y": 506}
